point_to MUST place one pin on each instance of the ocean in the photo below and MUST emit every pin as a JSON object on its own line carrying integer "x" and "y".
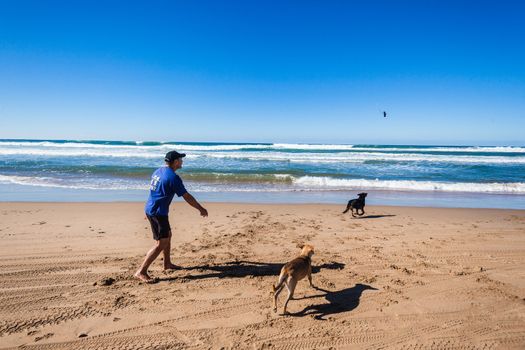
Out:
{"x": 448, "y": 176}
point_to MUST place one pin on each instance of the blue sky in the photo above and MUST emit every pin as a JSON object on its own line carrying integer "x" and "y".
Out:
{"x": 447, "y": 72}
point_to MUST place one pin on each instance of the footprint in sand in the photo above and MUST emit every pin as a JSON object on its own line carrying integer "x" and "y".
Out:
{"x": 45, "y": 336}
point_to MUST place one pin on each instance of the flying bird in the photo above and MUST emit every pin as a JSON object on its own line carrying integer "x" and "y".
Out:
{"x": 384, "y": 114}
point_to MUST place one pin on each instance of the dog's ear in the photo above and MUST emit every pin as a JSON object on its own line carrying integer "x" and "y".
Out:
{"x": 309, "y": 247}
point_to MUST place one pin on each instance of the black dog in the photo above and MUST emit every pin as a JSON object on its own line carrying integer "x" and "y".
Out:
{"x": 357, "y": 204}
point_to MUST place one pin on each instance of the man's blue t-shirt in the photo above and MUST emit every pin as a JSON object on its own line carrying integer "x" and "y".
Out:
{"x": 165, "y": 183}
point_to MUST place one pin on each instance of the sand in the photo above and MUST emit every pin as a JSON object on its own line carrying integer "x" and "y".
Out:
{"x": 397, "y": 278}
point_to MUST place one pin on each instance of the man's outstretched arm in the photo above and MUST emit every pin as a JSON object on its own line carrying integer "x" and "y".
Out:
{"x": 193, "y": 202}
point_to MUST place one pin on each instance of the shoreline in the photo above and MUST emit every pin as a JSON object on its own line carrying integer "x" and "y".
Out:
{"x": 338, "y": 206}
{"x": 19, "y": 193}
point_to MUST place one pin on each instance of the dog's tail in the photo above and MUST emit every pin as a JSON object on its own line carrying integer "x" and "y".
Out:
{"x": 347, "y": 208}
{"x": 279, "y": 285}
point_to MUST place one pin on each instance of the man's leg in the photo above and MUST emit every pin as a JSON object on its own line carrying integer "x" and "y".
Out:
{"x": 142, "y": 272}
{"x": 167, "y": 256}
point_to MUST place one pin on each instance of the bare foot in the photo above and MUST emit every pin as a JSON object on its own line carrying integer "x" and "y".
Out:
{"x": 172, "y": 267}
{"x": 144, "y": 277}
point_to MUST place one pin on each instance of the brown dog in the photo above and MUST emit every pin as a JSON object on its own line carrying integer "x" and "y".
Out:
{"x": 292, "y": 272}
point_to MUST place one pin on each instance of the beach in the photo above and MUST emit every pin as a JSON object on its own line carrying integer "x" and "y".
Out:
{"x": 255, "y": 125}
{"x": 397, "y": 277}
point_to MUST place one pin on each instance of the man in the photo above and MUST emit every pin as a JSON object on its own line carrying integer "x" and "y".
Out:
{"x": 165, "y": 184}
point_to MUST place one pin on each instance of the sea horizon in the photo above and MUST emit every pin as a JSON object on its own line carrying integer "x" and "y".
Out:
{"x": 476, "y": 176}
{"x": 130, "y": 141}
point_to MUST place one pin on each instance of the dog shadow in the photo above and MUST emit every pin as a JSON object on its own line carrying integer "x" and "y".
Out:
{"x": 236, "y": 269}
{"x": 338, "y": 301}
{"x": 374, "y": 216}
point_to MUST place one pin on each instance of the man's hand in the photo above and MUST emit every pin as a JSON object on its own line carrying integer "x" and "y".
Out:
{"x": 193, "y": 202}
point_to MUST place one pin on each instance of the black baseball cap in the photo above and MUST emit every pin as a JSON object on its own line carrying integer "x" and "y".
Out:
{"x": 173, "y": 155}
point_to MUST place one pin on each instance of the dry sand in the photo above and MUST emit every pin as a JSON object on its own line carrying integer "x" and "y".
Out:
{"x": 400, "y": 278}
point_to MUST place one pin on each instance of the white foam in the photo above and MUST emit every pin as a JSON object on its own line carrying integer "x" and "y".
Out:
{"x": 358, "y": 157}
{"x": 73, "y": 184}
{"x": 362, "y": 154}
{"x": 343, "y": 157}
{"x": 407, "y": 185}
{"x": 79, "y": 153}
{"x": 138, "y": 146}
{"x": 304, "y": 183}
{"x": 476, "y": 149}
{"x": 126, "y": 185}
{"x": 51, "y": 144}
{"x": 277, "y": 146}
{"x": 308, "y": 146}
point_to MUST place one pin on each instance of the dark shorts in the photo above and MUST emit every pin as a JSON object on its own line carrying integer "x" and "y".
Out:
{"x": 160, "y": 226}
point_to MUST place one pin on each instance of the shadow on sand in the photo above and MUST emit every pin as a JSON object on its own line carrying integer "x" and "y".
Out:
{"x": 373, "y": 216}
{"x": 338, "y": 301}
{"x": 243, "y": 269}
